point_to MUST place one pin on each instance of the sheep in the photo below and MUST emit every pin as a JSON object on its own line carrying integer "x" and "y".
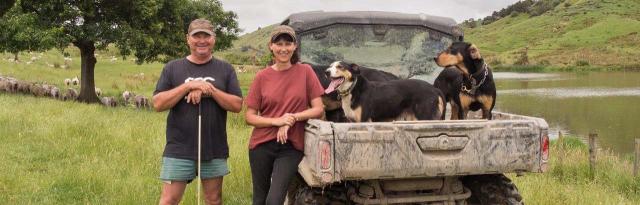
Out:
{"x": 126, "y": 95}
{"x": 55, "y": 92}
{"x": 47, "y": 89}
{"x": 75, "y": 81}
{"x": 109, "y": 101}
{"x": 5, "y": 85}
{"x": 98, "y": 92}
{"x": 13, "y": 86}
{"x": 37, "y": 90}
{"x": 141, "y": 101}
{"x": 67, "y": 81}
{"x": 23, "y": 87}
{"x": 71, "y": 94}
{"x": 241, "y": 69}
{"x": 139, "y": 76}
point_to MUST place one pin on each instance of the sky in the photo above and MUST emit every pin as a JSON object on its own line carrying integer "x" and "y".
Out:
{"x": 261, "y": 13}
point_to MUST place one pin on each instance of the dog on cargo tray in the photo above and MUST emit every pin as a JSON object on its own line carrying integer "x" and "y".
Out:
{"x": 331, "y": 101}
{"x": 466, "y": 80}
{"x": 370, "y": 101}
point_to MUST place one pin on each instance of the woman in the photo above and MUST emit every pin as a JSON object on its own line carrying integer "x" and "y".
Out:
{"x": 280, "y": 100}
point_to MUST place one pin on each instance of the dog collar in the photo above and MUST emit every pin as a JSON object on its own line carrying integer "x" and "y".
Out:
{"x": 346, "y": 92}
{"x": 474, "y": 85}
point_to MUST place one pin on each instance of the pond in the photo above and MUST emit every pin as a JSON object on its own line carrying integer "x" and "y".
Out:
{"x": 579, "y": 103}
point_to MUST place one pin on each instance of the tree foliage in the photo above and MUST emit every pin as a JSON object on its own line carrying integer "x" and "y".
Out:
{"x": 5, "y": 5}
{"x": 19, "y": 33}
{"x": 531, "y": 7}
{"x": 150, "y": 30}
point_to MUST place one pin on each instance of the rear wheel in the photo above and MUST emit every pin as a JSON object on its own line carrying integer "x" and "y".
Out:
{"x": 492, "y": 189}
{"x": 301, "y": 194}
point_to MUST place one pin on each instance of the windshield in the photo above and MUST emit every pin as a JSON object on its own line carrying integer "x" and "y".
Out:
{"x": 406, "y": 51}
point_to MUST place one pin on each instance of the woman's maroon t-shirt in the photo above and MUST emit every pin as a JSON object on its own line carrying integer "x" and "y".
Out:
{"x": 274, "y": 93}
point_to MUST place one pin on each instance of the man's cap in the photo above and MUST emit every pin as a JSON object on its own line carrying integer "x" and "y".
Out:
{"x": 283, "y": 29}
{"x": 201, "y": 25}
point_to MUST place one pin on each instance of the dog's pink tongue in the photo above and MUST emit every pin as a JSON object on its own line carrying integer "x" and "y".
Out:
{"x": 333, "y": 85}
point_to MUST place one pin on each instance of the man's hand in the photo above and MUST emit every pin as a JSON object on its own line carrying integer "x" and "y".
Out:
{"x": 194, "y": 97}
{"x": 282, "y": 134}
{"x": 205, "y": 87}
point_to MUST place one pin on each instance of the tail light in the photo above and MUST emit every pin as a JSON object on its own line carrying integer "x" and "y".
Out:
{"x": 544, "y": 150}
{"x": 325, "y": 154}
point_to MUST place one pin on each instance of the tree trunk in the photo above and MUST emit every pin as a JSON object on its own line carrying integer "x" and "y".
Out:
{"x": 88, "y": 64}
{"x": 15, "y": 57}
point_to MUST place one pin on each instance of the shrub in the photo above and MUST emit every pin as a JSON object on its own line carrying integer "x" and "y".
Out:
{"x": 582, "y": 63}
{"x": 544, "y": 63}
{"x": 523, "y": 59}
{"x": 234, "y": 58}
{"x": 495, "y": 62}
{"x": 264, "y": 59}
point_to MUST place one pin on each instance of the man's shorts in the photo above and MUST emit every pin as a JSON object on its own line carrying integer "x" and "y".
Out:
{"x": 174, "y": 169}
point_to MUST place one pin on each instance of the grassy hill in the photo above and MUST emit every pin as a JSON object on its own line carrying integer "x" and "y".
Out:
{"x": 250, "y": 48}
{"x": 575, "y": 32}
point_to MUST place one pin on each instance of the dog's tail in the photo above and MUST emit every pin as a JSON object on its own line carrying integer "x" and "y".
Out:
{"x": 441, "y": 105}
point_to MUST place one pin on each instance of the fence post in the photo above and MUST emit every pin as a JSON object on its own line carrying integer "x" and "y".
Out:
{"x": 636, "y": 161}
{"x": 560, "y": 139}
{"x": 560, "y": 153}
{"x": 592, "y": 151}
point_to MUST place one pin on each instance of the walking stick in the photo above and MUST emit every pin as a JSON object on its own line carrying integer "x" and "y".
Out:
{"x": 199, "y": 148}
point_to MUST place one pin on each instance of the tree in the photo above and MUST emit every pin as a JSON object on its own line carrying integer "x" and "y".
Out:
{"x": 151, "y": 30}
{"x": 20, "y": 33}
{"x": 5, "y": 5}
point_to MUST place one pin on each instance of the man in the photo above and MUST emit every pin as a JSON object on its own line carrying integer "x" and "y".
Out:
{"x": 197, "y": 84}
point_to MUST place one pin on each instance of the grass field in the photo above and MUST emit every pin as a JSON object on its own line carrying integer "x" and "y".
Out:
{"x": 570, "y": 181}
{"x": 112, "y": 77}
{"x": 57, "y": 152}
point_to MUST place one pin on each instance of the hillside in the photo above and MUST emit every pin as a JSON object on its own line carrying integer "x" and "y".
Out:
{"x": 249, "y": 48}
{"x": 575, "y": 32}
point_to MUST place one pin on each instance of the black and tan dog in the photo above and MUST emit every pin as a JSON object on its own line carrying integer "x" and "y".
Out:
{"x": 466, "y": 80}
{"x": 331, "y": 100}
{"x": 370, "y": 101}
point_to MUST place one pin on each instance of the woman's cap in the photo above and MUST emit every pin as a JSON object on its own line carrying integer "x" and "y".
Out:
{"x": 283, "y": 29}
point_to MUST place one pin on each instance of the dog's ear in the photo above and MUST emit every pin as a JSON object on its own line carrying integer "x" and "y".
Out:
{"x": 355, "y": 68}
{"x": 475, "y": 52}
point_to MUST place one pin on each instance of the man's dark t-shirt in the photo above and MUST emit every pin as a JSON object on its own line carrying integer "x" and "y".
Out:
{"x": 182, "y": 122}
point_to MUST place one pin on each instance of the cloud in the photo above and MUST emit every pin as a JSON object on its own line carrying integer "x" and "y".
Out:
{"x": 253, "y": 14}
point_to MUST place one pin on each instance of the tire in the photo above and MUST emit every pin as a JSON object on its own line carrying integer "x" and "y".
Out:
{"x": 300, "y": 193}
{"x": 492, "y": 189}
{"x": 307, "y": 196}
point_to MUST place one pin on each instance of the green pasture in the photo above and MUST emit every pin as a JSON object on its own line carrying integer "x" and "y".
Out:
{"x": 55, "y": 152}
